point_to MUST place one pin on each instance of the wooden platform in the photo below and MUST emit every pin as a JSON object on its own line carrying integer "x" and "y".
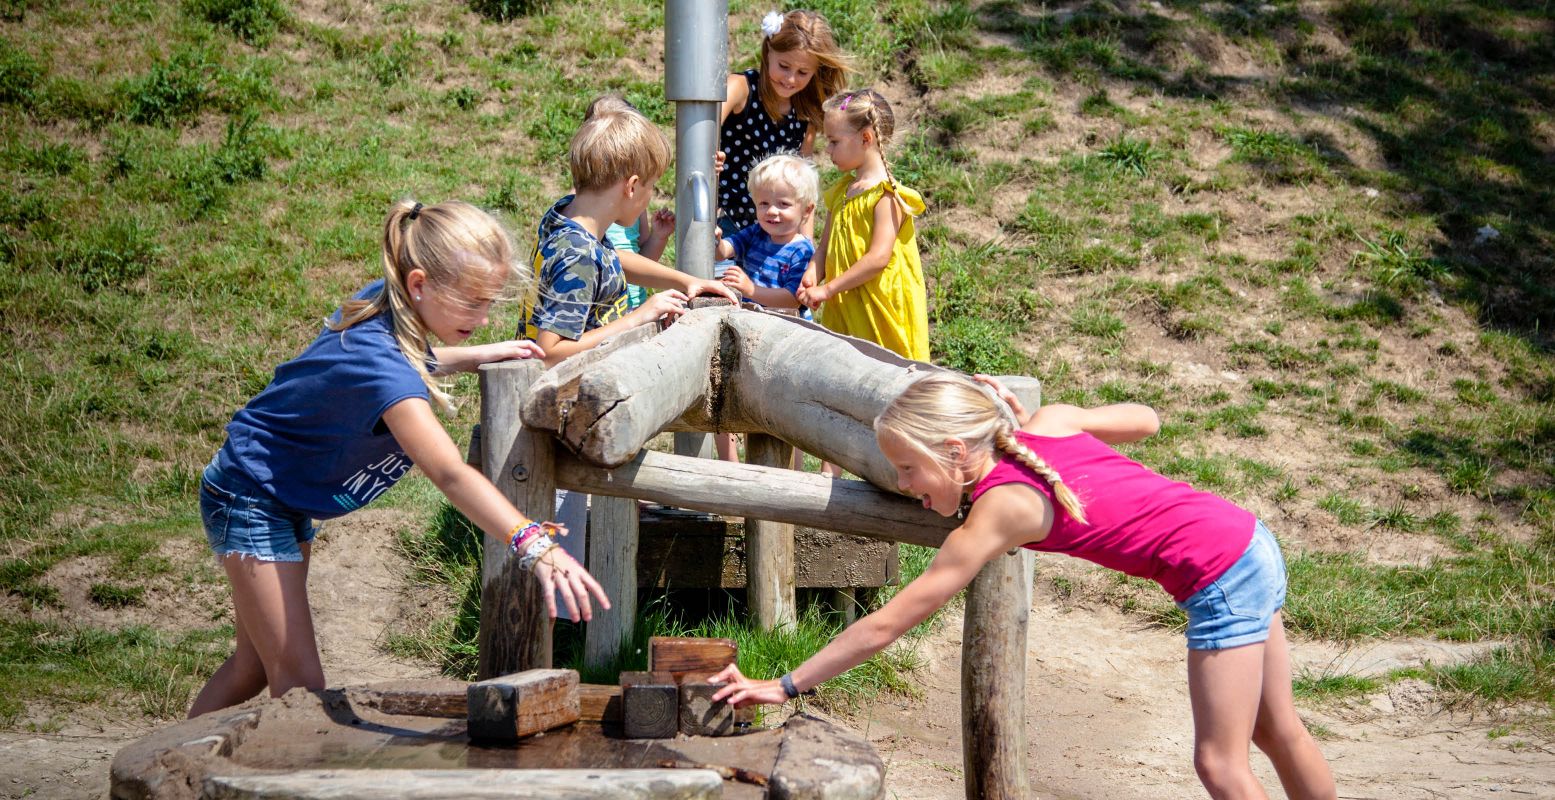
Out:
{"x": 681, "y": 549}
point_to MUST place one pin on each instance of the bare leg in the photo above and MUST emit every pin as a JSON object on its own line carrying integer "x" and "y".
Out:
{"x": 1224, "y": 687}
{"x": 830, "y": 470}
{"x": 275, "y": 625}
{"x": 728, "y": 447}
{"x": 1279, "y": 732}
{"x": 240, "y": 677}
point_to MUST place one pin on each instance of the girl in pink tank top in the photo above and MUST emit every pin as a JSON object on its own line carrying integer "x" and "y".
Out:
{"x": 1050, "y": 481}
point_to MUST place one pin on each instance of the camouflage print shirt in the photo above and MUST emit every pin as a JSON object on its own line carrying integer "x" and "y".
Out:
{"x": 579, "y": 282}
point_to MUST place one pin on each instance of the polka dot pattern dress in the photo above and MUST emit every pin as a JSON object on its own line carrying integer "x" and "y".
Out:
{"x": 746, "y": 138}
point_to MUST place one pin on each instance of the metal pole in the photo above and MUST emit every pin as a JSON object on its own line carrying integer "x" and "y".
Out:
{"x": 696, "y": 64}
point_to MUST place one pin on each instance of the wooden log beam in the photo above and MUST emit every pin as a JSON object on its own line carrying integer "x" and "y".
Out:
{"x": 770, "y": 546}
{"x": 450, "y": 699}
{"x": 748, "y": 490}
{"x": 612, "y": 560}
{"x": 993, "y": 670}
{"x": 609, "y": 411}
{"x": 515, "y": 632}
{"x": 550, "y": 400}
{"x": 513, "y": 707}
{"x": 470, "y": 784}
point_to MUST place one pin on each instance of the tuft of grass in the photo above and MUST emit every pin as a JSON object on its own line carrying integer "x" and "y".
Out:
{"x": 1134, "y": 156}
{"x": 1333, "y": 687}
{"x": 253, "y": 21}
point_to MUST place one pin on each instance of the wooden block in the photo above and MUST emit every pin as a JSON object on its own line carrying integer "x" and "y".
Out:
{"x": 699, "y": 715}
{"x": 679, "y": 655}
{"x": 650, "y": 705}
{"x": 438, "y": 697}
{"x": 523, "y": 704}
{"x": 599, "y": 703}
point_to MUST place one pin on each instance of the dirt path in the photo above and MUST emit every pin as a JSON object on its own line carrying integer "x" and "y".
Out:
{"x": 1107, "y": 716}
{"x": 356, "y": 585}
{"x": 1106, "y": 705}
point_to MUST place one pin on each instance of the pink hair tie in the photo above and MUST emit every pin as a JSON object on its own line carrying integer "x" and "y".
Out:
{"x": 845, "y": 101}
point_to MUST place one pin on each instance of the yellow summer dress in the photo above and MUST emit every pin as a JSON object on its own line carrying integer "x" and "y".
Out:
{"x": 892, "y": 309}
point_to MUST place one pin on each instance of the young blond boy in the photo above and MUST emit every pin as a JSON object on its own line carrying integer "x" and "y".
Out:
{"x": 581, "y": 299}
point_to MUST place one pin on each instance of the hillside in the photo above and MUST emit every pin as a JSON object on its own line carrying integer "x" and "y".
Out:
{"x": 1317, "y": 236}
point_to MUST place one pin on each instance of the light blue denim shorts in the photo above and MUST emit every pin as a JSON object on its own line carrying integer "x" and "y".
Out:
{"x": 1238, "y": 607}
{"x": 241, "y": 517}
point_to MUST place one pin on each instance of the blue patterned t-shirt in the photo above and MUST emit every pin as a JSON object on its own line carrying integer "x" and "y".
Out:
{"x": 772, "y": 265}
{"x": 579, "y": 282}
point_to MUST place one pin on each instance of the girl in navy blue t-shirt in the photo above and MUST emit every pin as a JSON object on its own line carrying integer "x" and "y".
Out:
{"x": 342, "y": 422}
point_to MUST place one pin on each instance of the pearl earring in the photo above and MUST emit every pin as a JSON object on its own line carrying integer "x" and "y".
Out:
{"x": 418, "y": 298}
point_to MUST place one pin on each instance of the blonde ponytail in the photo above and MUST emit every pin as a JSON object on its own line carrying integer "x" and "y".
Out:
{"x": 1007, "y": 443}
{"x": 463, "y": 251}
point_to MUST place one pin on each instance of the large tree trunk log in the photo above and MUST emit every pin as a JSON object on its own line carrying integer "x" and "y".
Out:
{"x": 770, "y": 546}
{"x": 747, "y": 490}
{"x": 515, "y": 630}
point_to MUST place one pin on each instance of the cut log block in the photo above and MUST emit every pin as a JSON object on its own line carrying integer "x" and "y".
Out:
{"x": 512, "y": 707}
{"x": 679, "y": 655}
{"x": 699, "y": 714}
{"x": 650, "y": 705}
{"x": 445, "y": 698}
{"x": 599, "y": 703}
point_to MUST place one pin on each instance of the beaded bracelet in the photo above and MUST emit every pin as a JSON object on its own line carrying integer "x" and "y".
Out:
{"x": 537, "y": 547}
{"x": 521, "y": 535}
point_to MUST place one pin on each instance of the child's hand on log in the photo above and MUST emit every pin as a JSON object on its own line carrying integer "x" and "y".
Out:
{"x": 1003, "y": 393}
{"x": 742, "y": 691}
{"x": 670, "y": 303}
{"x": 712, "y": 286}
{"x": 558, "y": 571}
{"x": 510, "y": 350}
{"x": 735, "y": 278}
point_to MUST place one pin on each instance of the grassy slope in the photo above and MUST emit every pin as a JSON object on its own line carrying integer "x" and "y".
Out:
{"x": 1265, "y": 222}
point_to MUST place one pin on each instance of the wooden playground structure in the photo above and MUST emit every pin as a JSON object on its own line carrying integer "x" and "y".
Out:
{"x": 786, "y": 383}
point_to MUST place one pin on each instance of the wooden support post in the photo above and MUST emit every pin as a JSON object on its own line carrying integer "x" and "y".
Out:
{"x": 680, "y": 655}
{"x": 515, "y": 630}
{"x": 612, "y": 560}
{"x": 512, "y": 707}
{"x": 770, "y": 546}
{"x": 650, "y": 705}
{"x": 699, "y": 715}
{"x": 993, "y": 668}
{"x": 845, "y": 600}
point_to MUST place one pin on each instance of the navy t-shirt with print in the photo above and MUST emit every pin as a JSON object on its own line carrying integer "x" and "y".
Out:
{"x": 314, "y": 438}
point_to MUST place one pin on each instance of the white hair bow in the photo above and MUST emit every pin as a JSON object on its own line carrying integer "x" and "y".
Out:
{"x": 771, "y": 24}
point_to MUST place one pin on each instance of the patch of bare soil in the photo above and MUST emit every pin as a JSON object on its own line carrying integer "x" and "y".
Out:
{"x": 1107, "y": 715}
{"x": 357, "y": 586}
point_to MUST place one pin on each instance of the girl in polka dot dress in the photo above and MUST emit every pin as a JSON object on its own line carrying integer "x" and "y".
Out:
{"x": 776, "y": 107}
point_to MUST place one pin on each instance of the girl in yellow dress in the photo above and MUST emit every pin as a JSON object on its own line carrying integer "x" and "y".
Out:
{"x": 873, "y": 285}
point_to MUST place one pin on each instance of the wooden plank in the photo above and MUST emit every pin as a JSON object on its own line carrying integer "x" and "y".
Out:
{"x": 690, "y": 549}
{"x": 475, "y": 784}
{"x": 599, "y": 703}
{"x": 612, "y": 560}
{"x": 769, "y": 493}
{"x": 650, "y": 705}
{"x": 444, "y": 698}
{"x": 993, "y": 671}
{"x": 679, "y": 655}
{"x": 770, "y": 546}
{"x": 515, "y": 630}
{"x": 699, "y": 715}
{"x": 512, "y": 707}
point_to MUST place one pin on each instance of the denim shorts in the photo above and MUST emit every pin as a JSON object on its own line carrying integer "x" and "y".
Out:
{"x": 1237, "y": 608}
{"x": 241, "y": 517}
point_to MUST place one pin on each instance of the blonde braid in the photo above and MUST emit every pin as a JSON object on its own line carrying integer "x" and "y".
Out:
{"x": 1011, "y": 446}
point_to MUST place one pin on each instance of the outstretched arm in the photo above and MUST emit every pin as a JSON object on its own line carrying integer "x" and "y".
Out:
{"x": 996, "y": 524}
{"x": 429, "y": 447}
{"x": 1114, "y": 424}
